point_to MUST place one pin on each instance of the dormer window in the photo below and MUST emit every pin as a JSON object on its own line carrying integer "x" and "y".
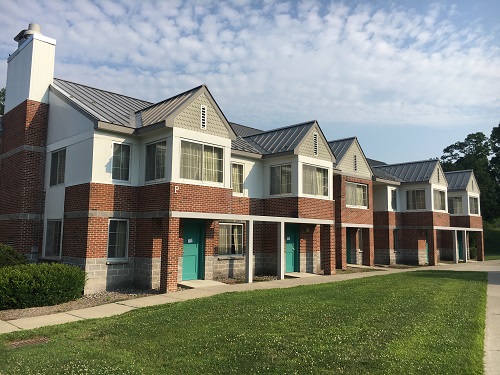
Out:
{"x": 203, "y": 117}
{"x": 315, "y": 144}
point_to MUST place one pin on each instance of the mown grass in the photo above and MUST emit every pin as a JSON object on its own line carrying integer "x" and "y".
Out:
{"x": 491, "y": 243}
{"x": 422, "y": 322}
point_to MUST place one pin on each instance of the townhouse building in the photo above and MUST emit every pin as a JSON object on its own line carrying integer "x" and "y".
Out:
{"x": 153, "y": 194}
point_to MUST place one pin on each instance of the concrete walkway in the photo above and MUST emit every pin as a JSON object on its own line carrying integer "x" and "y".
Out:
{"x": 206, "y": 288}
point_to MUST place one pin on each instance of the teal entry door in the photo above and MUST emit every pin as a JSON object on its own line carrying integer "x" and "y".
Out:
{"x": 192, "y": 260}
{"x": 291, "y": 248}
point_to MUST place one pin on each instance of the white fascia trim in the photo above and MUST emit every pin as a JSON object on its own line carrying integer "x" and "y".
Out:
{"x": 275, "y": 219}
{"x": 459, "y": 228}
{"x": 354, "y": 225}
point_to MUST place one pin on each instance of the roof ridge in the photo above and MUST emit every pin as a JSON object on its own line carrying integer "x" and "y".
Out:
{"x": 283, "y": 128}
{"x": 408, "y": 162}
{"x": 460, "y": 171}
{"x": 172, "y": 97}
{"x": 245, "y": 126}
{"x": 342, "y": 139}
{"x": 98, "y": 89}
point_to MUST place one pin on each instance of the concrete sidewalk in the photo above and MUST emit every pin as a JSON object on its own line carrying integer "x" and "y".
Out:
{"x": 208, "y": 288}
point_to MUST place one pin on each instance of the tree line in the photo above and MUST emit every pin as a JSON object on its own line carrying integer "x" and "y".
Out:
{"x": 482, "y": 154}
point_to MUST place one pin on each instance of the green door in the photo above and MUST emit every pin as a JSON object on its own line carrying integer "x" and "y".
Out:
{"x": 460, "y": 241}
{"x": 348, "y": 244}
{"x": 291, "y": 248}
{"x": 192, "y": 260}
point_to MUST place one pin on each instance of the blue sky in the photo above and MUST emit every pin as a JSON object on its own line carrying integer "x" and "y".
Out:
{"x": 408, "y": 78}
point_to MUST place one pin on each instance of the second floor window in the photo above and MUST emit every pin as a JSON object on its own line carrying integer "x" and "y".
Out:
{"x": 439, "y": 200}
{"x": 394, "y": 200}
{"x": 57, "y": 167}
{"x": 356, "y": 194}
{"x": 314, "y": 180}
{"x": 281, "y": 179}
{"x": 156, "y": 154}
{"x": 201, "y": 162}
{"x": 237, "y": 177}
{"x": 415, "y": 200}
{"x": 455, "y": 206}
{"x": 121, "y": 162}
{"x": 473, "y": 206}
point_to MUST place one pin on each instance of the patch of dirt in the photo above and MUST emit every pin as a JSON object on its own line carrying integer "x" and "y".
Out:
{"x": 241, "y": 280}
{"x": 28, "y": 342}
{"x": 354, "y": 270}
{"x": 90, "y": 300}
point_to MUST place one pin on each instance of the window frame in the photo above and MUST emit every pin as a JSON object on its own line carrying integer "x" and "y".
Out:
{"x": 202, "y": 165}
{"x": 280, "y": 183}
{"x": 232, "y": 246}
{"x": 57, "y": 167}
{"x": 475, "y": 205}
{"x": 365, "y": 203}
{"x": 125, "y": 257}
{"x": 60, "y": 235}
{"x": 241, "y": 184}
{"x": 155, "y": 166}
{"x": 121, "y": 144}
{"x": 442, "y": 200}
{"x": 314, "y": 184}
{"x": 414, "y": 191}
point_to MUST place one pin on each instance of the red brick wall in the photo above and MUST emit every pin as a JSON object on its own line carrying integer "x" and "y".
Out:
{"x": 194, "y": 198}
{"x": 22, "y": 174}
{"x": 328, "y": 251}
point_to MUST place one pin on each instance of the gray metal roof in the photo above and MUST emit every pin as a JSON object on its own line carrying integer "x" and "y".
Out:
{"x": 159, "y": 111}
{"x": 339, "y": 147}
{"x": 244, "y": 131}
{"x": 239, "y": 144}
{"x": 280, "y": 140}
{"x": 418, "y": 171}
{"x": 374, "y": 163}
{"x": 458, "y": 180}
{"x": 104, "y": 105}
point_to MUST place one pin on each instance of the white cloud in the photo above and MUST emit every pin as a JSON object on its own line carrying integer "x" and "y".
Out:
{"x": 281, "y": 62}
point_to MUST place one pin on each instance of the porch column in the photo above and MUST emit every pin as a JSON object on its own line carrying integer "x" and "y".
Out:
{"x": 455, "y": 246}
{"x": 249, "y": 258}
{"x": 281, "y": 251}
{"x": 466, "y": 246}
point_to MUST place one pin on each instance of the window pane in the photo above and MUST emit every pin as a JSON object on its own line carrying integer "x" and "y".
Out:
{"x": 53, "y": 238}
{"x": 57, "y": 167}
{"x": 117, "y": 239}
{"x": 237, "y": 178}
{"x": 121, "y": 160}
{"x": 224, "y": 239}
{"x": 350, "y": 193}
{"x": 191, "y": 157}
{"x": 275, "y": 180}
{"x": 394, "y": 203}
{"x": 308, "y": 178}
{"x": 286, "y": 179}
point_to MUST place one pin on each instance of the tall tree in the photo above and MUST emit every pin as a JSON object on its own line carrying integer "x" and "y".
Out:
{"x": 2, "y": 100}
{"x": 495, "y": 151}
{"x": 473, "y": 153}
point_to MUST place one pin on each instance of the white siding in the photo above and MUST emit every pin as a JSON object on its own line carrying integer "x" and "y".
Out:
{"x": 307, "y": 146}
{"x": 472, "y": 185}
{"x": 30, "y": 72}
{"x": 438, "y": 177}
{"x": 253, "y": 175}
{"x": 380, "y": 198}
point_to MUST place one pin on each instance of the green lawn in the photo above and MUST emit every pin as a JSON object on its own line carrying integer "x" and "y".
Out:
{"x": 421, "y": 322}
{"x": 491, "y": 243}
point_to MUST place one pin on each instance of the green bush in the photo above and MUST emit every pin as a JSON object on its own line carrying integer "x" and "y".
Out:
{"x": 43, "y": 284}
{"x": 10, "y": 257}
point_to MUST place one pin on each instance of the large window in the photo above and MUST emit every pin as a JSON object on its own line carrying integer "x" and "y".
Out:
{"x": 439, "y": 200}
{"x": 230, "y": 239}
{"x": 201, "y": 162}
{"x": 121, "y": 162}
{"x": 356, "y": 194}
{"x": 237, "y": 178}
{"x": 415, "y": 200}
{"x": 117, "y": 239}
{"x": 314, "y": 180}
{"x": 473, "y": 206}
{"x": 455, "y": 206}
{"x": 53, "y": 238}
{"x": 281, "y": 179}
{"x": 57, "y": 167}
{"x": 156, "y": 154}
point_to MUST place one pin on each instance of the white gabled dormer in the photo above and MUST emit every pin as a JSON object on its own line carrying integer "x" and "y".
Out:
{"x": 30, "y": 69}
{"x": 463, "y": 193}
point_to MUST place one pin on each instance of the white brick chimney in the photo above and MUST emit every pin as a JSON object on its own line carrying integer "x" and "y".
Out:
{"x": 30, "y": 69}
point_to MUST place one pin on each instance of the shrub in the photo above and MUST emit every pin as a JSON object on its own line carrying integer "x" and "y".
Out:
{"x": 10, "y": 257}
{"x": 473, "y": 252}
{"x": 44, "y": 284}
